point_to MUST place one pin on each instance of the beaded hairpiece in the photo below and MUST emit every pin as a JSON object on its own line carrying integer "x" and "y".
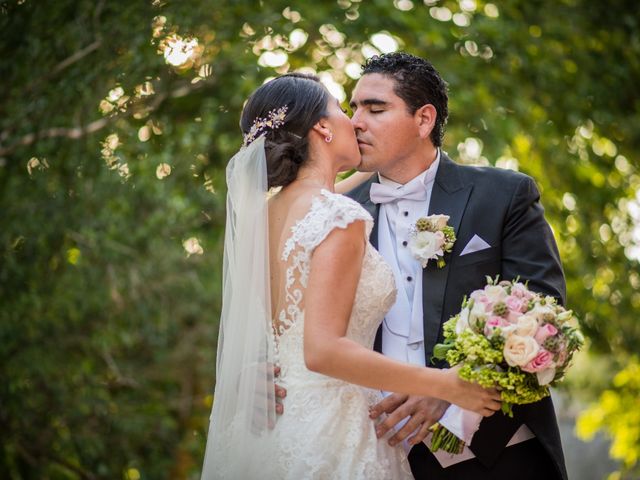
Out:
{"x": 273, "y": 121}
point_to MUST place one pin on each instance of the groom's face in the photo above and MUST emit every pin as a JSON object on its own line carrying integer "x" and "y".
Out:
{"x": 387, "y": 133}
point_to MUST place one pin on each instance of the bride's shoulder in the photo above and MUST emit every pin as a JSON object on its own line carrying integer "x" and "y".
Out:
{"x": 336, "y": 205}
{"x": 326, "y": 212}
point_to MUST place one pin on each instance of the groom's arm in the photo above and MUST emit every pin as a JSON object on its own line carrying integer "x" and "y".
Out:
{"x": 529, "y": 250}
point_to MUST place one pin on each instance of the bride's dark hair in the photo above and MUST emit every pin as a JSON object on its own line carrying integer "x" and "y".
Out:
{"x": 287, "y": 146}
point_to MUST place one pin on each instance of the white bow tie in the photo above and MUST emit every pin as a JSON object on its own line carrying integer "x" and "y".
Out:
{"x": 380, "y": 193}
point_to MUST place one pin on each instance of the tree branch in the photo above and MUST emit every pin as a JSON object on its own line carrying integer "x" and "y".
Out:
{"x": 75, "y": 133}
{"x": 79, "y": 55}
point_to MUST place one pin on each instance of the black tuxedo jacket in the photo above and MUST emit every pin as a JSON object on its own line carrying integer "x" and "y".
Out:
{"x": 503, "y": 208}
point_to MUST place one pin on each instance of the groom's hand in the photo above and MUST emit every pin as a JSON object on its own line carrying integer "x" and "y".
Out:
{"x": 423, "y": 412}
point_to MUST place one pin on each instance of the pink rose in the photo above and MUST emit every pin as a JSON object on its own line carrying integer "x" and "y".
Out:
{"x": 479, "y": 296}
{"x": 515, "y": 304}
{"x": 520, "y": 291}
{"x": 541, "y": 361}
{"x": 493, "y": 323}
{"x": 513, "y": 316}
{"x": 545, "y": 331}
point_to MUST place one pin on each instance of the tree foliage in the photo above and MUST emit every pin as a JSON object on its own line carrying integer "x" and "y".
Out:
{"x": 118, "y": 119}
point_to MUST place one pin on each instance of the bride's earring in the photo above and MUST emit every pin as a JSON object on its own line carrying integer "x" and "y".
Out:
{"x": 329, "y": 137}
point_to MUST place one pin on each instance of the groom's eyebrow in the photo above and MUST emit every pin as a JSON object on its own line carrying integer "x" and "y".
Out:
{"x": 366, "y": 102}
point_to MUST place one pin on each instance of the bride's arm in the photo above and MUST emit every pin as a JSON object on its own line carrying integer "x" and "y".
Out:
{"x": 351, "y": 182}
{"x": 335, "y": 270}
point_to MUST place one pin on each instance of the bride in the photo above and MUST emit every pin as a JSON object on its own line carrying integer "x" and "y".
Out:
{"x": 305, "y": 292}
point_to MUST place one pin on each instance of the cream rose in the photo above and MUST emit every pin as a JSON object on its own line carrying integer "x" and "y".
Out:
{"x": 495, "y": 293}
{"x": 438, "y": 221}
{"x": 527, "y": 326}
{"x": 519, "y": 350}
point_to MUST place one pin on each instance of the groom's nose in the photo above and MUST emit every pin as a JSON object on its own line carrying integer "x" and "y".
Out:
{"x": 357, "y": 123}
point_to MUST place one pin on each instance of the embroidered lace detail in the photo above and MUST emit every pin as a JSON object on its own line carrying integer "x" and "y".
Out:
{"x": 326, "y": 432}
{"x": 328, "y": 211}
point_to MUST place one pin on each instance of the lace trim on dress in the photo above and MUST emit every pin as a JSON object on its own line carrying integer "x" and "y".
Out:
{"x": 328, "y": 211}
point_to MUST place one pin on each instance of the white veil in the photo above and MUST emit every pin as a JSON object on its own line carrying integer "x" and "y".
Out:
{"x": 243, "y": 411}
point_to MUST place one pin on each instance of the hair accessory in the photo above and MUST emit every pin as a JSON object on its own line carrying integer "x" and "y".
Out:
{"x": 329, "y": 137}
{"x": 273, "y": 121}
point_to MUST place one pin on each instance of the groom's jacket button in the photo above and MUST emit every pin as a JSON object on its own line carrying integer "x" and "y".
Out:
{"x": 404, "y": 243}
{"x": 409, "y": 279}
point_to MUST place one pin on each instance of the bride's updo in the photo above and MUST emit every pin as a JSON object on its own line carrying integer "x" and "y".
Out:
{"x": 305, "y": 100}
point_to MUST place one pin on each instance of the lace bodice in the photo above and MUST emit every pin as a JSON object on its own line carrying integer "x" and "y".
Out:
{"x": 326, "y": 431}
{"x": 375, "y": 292}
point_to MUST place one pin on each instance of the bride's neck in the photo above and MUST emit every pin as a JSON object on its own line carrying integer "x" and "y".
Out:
{"x": 315, "y": 175}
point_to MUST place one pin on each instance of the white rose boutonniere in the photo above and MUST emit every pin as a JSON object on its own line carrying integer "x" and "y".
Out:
{"x": 431, "y": 238}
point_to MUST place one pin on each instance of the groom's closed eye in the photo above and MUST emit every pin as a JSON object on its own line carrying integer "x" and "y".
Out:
{"x": 368, "y": 102}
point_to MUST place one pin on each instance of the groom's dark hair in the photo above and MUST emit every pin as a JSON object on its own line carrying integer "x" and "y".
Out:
{"x": 417, "y": 83}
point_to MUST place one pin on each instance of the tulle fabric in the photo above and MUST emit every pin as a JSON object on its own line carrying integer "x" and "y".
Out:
{"x": 243, "y": 413}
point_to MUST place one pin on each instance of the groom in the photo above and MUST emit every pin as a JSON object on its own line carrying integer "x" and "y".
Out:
{"x": 400, "y": 110}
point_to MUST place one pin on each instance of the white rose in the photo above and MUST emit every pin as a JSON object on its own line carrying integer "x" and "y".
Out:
{"x": 495, "y": 293}
{"x": 518, "y": 350}
{"x": 463, "y": 321}
{"x": 565, "y": 316}
{"x": 527, "y": 326}
{"x": 438, "y": 221}
{"x": 506, "y": 332}
{"x": 540, "y": 312}
{"x": 426, "y": 246}
{"x": 477, "y": 313}
{"x": 546, "y": 376}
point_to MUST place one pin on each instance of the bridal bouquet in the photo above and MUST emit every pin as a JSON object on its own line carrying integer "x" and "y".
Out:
{"x": 508, "y": 337}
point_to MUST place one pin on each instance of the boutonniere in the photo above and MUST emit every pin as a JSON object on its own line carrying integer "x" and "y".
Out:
{"x": 430, "y": 238}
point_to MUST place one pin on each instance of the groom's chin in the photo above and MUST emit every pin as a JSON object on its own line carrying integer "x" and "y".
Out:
{"x": 362, "y": 167}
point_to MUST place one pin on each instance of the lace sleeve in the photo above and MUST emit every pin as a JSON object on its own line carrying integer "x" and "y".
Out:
{"x": 328, "y": 211}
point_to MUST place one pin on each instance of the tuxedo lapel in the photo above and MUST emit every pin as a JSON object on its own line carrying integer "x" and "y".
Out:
{"x": 448, "y": 197}
{"x": 364, "y": 199}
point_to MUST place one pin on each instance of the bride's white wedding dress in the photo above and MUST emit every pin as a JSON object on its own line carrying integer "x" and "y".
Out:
{"x": 326, "y": 432}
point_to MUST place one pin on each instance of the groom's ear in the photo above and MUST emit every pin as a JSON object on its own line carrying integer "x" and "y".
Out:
{"x": 425, "y": 118}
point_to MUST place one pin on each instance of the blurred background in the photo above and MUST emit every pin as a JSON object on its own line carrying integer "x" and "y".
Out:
{"x": 116, "y": 121}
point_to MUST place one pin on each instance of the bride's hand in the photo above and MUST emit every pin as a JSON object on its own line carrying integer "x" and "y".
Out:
{"x": 471, "y": 396}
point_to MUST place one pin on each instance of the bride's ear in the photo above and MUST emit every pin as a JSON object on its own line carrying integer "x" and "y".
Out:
{"x": 323, "y": 128}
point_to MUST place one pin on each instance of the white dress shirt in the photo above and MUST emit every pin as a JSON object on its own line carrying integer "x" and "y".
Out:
{"x": 396, "y": 219}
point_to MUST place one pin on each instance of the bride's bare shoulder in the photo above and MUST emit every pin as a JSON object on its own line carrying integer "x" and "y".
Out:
{"x": 294, "y": 201}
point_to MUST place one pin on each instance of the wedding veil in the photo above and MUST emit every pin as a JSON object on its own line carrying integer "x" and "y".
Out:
{"x": 243, "y": 411}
